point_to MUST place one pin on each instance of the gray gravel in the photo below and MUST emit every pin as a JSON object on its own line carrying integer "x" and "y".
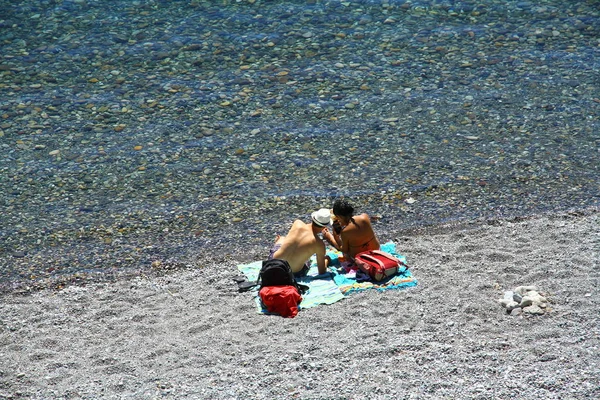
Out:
{"x": 189, "y": 334}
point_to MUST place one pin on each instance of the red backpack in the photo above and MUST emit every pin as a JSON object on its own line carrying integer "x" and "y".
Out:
{"x": 378, "y": 264}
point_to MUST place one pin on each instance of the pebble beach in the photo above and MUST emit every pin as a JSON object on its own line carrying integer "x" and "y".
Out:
{"x": 190, "y": 335}
{"x": 149, "y": 147}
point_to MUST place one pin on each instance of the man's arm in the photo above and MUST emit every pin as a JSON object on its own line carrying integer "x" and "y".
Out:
{"x": 331, "y": 239}
{"x": 321, "y": 264}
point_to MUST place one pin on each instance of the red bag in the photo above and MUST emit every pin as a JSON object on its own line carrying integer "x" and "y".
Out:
{"x": 282, "y": 300}
{"x": 378, "y": 264}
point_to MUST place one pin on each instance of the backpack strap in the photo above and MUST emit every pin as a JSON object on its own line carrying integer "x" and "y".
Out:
{"x": 302, "y": 288}
{"x": 246, "y": 285}
{"x": 391, "y": 257}
{"x": 372, "y": 259}
{"x": 386, "y": 255}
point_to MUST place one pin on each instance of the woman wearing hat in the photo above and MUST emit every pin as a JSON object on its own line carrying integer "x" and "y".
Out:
{"x": 352, "y": 234}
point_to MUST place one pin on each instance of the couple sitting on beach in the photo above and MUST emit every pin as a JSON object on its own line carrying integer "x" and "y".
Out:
{"x": 351, "y": 235}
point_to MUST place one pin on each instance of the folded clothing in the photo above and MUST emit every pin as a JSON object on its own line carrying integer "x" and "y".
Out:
{"x": 282, "y": 300}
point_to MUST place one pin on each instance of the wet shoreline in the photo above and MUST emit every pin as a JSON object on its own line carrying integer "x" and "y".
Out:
{"x": 159, "y": 132}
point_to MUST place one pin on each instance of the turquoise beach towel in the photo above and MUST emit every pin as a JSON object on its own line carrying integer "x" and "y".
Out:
{"x": 347, "y": 283}
{"x": 333, "y": 285}
{"x": 322, "y": 288}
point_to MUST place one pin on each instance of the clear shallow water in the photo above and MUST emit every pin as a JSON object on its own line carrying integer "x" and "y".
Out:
{"x": 143, "y": 132}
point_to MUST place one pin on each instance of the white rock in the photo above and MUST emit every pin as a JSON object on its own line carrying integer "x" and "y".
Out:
{"x": 526, "y": 301}
{"x": 539, "y": 299}
{"x": 533, "y": 297}
{"x": 509, "y": 304}
{"x": 509, "y": 295}
{"x": 517, "y": 311}
{"x": 522, "y": 290}
{"x": 503, "y": 302}
{"x": 534, "y": 310}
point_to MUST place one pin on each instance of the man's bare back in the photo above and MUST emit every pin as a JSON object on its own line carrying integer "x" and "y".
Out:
{"x": 300, "y": 243}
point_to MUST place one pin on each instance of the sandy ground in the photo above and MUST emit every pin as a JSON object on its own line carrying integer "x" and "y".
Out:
{"x": 189, "y": 334}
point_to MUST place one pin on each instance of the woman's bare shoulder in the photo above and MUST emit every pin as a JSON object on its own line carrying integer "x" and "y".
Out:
{"x": 360, "y": 222}
{"x": 363, "y": 217}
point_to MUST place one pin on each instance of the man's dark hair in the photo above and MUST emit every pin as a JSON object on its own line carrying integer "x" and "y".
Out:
{"x": 342, "y": 208}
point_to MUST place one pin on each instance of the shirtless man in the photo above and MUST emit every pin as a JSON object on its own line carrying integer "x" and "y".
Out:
{"x": 301, "y": 242}
{"x": 352, "y": 234}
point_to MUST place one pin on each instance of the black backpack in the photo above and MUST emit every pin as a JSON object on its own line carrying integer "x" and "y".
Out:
{"x": 274, "y": 272}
